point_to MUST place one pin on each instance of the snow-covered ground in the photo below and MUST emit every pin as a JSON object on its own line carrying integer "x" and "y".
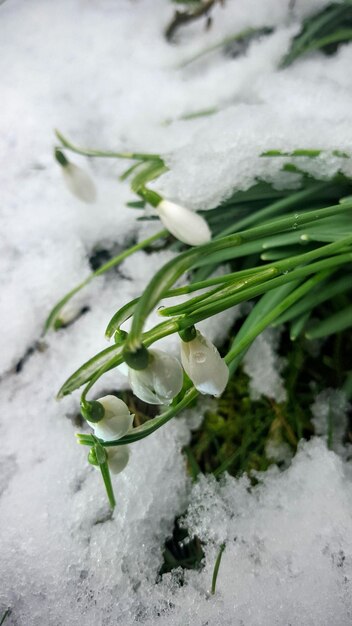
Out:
{"x": 101, "y": 72}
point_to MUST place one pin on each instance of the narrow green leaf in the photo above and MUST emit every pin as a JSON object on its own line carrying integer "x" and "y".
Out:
{"x": 298, "y": 325}
{"x": 325, "y": 292}
{"x": 333, "y": 324}
{"x": 216, "y": 568}
{"x": 108, "y": 358}
{"x": 121, "y": 316}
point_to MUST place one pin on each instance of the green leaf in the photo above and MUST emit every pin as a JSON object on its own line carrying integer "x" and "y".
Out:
{"x": 324, "y": 292}
{"x": 333, "y": 324}
{"x": 121, "y": 316}
{"x": 108, "y": 358}
{"x": 148, "y": 172}
{"x": 116, "y": 260}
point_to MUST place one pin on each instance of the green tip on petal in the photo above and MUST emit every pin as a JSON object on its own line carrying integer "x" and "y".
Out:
{"x": 92, "y": 411}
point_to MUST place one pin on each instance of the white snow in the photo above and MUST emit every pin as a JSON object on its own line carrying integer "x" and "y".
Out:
{"x": 101, "y": 72}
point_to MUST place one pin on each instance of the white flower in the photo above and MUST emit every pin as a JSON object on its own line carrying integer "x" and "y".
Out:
{"x": 204, "y": 365}
{"x": 117, "y": 420}
{"x": 79, "y": 183}
{"x": 160, "y": 382}
{"x": 184, "y": 224}
{"x": 118, "y": 458}
{"x": 116, "y": 423}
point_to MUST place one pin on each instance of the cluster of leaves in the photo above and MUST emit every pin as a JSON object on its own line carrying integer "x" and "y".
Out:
{"x": 234, "y": 436}
{"x": 290, "y": 253}
{"x": 324, "y": 30}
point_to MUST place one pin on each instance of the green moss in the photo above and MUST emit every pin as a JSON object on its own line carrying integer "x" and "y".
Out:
{"x": 234, "y": 437}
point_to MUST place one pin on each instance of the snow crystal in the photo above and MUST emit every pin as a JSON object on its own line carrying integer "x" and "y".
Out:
{"x": 330, "y": 417}
{"x": 287, "y": 557}
{"x": 263, "y": 366}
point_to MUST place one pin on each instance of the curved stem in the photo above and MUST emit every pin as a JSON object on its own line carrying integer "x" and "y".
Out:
{"x": 53, "y": 315}
{"x": 142, "y": 156}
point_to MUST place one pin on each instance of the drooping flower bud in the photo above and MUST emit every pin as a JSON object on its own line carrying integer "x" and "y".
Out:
{"x": 160, "y": 381}
{"x": 116, "y": 422}
{"x": 185, "y": 225}
{"x": 76, "y": 179}
{"x": 117, "y": 458}
{"x": 204, "y": 365}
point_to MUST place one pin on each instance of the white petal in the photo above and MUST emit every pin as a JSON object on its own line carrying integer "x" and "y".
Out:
{"x": 184, "y": 224}
{"x": 160, "y": 382}
{"x": 116, "y": 422}
{"x": 204, "y": 365}
{"x": 118, "y": 458}
{"x": 79, "y": 183}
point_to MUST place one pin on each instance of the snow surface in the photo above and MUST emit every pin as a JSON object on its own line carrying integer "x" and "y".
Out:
{"x": 101, "y": 72}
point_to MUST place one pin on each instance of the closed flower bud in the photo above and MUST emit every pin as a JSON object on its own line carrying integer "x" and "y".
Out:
{"x": 79, "y": 183}
{"x": 118, "y": 458}
{"x": 184, "y": 224}
{"x": 160, "y": 381}
{"x": 116, "y": 422}
{"x": 204, "y": 365}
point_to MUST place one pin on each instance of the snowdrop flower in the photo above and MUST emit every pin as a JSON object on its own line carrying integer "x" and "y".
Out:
{"x": 160, "y": 381}
{"x": 204, "y": 365}
{"x": 116, "y": 422}
{"x": 77, "y": 180}
{"x": 118, "y": 458}
{"x": 183, "y": 224}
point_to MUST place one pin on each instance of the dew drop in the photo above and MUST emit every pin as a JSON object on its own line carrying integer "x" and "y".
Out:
{"x": 199, "y": 357}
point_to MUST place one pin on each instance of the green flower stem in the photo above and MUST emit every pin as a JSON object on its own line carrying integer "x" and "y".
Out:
{"x": 53, "y": 316}
{"x": 216, "y": 568}
{"x": 167, "y": 276}
{"x": 5, "y": 615}
{"x": 334, "y": 324}
{"x": 303, "y": 152}
{"x": 247, "y": 294}
{"x": 107, "y": 359}
{"x": 125, "y": 312}
{"x": 311, "y": 300}
{"x": 264, "y": 273}
{"x": 220, "y": 44}
{"x": 121, "y": 316}
{"x": 262, "y": 276}
{"x": 298, "y": 324}
{"x": 267, "y": 319}
{"x": 275, "y": 207}
{"x": 141, "y": 156}
{"x": 262, "y": 307}
{"x": 105, "y": 472}
{"x": 130, "y": 170}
